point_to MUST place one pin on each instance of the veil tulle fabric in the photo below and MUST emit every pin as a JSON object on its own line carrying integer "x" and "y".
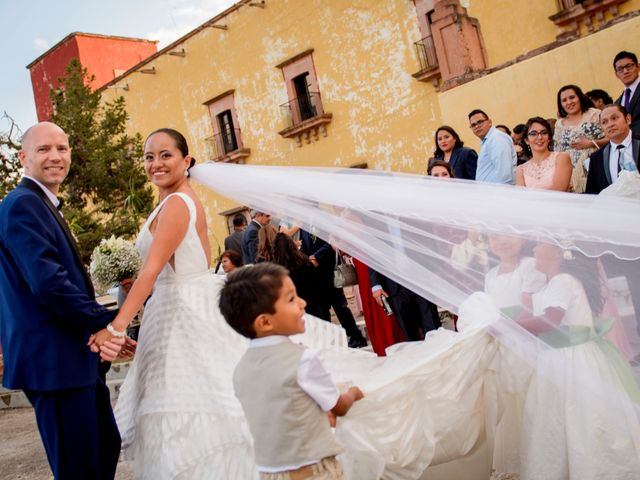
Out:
{"x": 413, "y": 229}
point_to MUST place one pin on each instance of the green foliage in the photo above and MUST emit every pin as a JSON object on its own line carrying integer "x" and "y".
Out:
{"x": 106, "y": 191}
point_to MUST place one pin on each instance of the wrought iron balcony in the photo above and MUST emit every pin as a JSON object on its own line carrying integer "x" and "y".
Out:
{"x": 227, "y": 147}
{"x": 567, "y": 4}
{"x": 429, "y": 69}
{"x": 590, "y": 13}
{"x": 302, "y": 108}
{"x": 304, "y": 116}
{"x": 427, "y": 53}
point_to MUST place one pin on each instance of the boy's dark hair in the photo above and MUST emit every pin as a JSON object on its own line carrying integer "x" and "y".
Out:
{"x": 249, "y": 292}
{"x": 476, "y": 112}
{"x": 624, "y": 54}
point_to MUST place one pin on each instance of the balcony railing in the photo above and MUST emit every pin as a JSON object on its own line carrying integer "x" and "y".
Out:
{"x": 426, "y": 51}
{"x": 567, "y": 4}
{"x": 590, "y": 13}
{"x": 226, "y": 145}
{"x": 302, "y": 108}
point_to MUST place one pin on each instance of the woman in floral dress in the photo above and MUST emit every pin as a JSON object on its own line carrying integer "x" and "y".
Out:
{"x": 577, "y": 132}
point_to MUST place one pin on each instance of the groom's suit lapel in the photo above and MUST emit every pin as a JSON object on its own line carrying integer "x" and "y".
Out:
{"x": 28, "y": 184}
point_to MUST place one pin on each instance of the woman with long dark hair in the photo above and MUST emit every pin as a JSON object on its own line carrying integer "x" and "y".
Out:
{"x": 577, "y": 132}
{"x": 545, "y": 169}
{"x": 451, "y": 149}
{"x": 285, "y": 252}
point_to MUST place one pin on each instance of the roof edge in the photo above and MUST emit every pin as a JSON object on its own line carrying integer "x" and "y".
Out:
{"x": 173, "y": 45}
{"x": 84, "y": 34}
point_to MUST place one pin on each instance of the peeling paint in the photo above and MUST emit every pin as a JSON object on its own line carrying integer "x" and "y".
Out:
{"x": 364, "y": 58}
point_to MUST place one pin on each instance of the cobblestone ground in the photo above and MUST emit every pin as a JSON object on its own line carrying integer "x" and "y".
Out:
{"x": 21, "y": 454}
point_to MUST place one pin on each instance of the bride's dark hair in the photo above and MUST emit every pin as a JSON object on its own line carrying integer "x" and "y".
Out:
{"x": 178, "y": 138}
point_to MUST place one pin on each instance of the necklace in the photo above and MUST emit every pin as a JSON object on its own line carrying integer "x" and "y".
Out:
{"x": 537, "y": 170}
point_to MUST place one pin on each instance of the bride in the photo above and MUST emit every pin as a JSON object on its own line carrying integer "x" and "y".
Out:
{"x": 176, "y": 412}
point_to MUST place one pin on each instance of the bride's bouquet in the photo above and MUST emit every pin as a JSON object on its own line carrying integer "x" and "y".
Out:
{"x": 115, "y": 259}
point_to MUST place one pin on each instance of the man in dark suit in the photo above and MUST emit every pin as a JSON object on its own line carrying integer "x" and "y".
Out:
{"x": 416, "y": 314}
{"x": 47, "y": 314}
{"x": 323, "y": 257}
{"x": 250, "y": 236}
{"x": 621, "y": 153}
{"x": 234, "y": 241}
{"x": 625, "y": 65}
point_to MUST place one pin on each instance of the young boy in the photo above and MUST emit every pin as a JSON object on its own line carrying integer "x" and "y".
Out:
{"x": 284, "y": 390}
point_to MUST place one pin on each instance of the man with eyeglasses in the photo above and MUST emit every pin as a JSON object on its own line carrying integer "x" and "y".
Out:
{"x": 627, "y": 69}
{"x": 497, "y": 159}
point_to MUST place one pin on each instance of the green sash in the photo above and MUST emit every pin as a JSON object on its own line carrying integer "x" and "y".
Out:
{"x": 565, "y": 336}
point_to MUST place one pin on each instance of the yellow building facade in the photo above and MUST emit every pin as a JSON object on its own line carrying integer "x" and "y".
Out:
{"x": 234, "y": 85}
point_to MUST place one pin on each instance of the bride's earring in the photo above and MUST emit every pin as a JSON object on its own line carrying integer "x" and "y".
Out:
{"x": 186, "y": 172}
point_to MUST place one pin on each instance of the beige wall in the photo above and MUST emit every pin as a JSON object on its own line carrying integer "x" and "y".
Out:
{"x": 513, "y": 27}
{"x": 364, "y": 59}
{"x": 363, "y": 56}
{"x": 526, "y": 89}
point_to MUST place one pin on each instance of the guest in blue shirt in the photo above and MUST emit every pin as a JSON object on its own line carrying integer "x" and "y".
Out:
{"x": 497, "y": 159}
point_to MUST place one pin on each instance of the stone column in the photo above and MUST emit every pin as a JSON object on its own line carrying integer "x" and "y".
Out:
{"x": 458, "y": 41}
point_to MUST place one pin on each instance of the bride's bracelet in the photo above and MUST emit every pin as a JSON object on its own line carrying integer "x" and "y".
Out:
{"x": 115, "y": 332}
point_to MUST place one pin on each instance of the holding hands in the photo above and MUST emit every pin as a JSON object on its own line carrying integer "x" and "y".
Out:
{"x": 111, "y": 344}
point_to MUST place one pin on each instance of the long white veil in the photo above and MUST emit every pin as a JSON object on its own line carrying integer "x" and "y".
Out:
{"x": 575, "y": 328}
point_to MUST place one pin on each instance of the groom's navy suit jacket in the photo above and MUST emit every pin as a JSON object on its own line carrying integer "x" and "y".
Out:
{"x": 47, "y": 303}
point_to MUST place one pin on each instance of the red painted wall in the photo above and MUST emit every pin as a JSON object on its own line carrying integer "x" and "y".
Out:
{"x": 101, "y": 56}
{"x": 46, "y": 72}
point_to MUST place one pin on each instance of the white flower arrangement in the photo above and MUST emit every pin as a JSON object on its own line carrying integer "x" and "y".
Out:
{"x": 115, "y": 259}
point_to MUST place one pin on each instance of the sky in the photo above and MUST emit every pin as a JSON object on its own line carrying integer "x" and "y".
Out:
{"x": 31, "y": 27}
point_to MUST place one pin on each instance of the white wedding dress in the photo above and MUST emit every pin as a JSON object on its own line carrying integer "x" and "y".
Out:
{"x": 177, "y": 412}
{"x": 449, "y": 407}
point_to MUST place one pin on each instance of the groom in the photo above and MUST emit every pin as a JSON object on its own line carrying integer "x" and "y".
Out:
{"x": 47, "y": 313}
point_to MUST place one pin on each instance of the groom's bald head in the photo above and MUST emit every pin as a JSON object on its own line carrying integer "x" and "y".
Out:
{"x": 46, "y": 155}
